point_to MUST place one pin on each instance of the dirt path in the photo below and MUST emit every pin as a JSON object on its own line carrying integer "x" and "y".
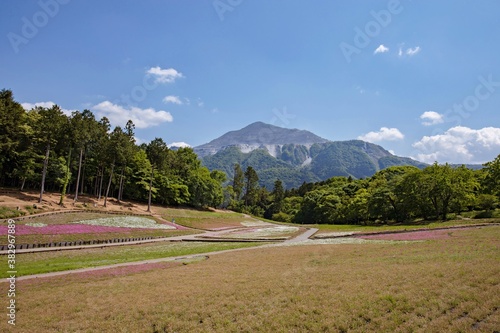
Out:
{"x": 202, "y": 237}
{"x": 304, "y": 236}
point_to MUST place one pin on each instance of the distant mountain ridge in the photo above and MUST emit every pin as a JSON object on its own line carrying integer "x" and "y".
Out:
{"x": 295, "y": 156}
{"x": 259, "y": 135}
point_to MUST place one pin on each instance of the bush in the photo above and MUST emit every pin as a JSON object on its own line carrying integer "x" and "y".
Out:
{"x": 281, "y": 217}
{"x": 7, "y": 213}
{"x": 484, "y": 215}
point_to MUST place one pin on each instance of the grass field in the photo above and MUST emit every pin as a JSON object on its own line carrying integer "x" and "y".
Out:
{"x": 442, "y": 285}
{"x": 200, "y": 219}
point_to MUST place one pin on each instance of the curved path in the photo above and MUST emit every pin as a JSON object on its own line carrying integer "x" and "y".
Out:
{"x": 304, "y": 236}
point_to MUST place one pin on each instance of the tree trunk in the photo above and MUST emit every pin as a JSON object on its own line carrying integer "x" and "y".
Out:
{"x": 150, "y": 187}
{"x": 109, "y": 183}
{"x": 66, "y": 180}
{"x": 78, "y": 176}
{"x": 22, "y": 184}
{"x": 83, "y": 174}
{"x": 96, "y": 185}
{"x": 100, "y": 185}
{"x": 44, "y": 172}
{"x": 120, "y": 185}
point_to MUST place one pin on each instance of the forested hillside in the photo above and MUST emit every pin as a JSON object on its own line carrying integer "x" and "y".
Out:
{"x": 395, "y": 194}
{"x": 295, "y": 164}
{"x": 45, "y": 149}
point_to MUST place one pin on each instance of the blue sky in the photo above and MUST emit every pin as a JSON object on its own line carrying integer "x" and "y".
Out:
{"x": 422, "y": 79}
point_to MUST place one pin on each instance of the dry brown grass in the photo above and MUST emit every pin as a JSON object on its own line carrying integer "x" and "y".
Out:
{"x": 203, "y": 219}
{"x": 448, "y": 285}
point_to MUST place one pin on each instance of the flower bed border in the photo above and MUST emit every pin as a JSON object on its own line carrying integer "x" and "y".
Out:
{"x": 81, "y": 243}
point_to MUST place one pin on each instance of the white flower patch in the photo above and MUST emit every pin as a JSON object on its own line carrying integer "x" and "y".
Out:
{"x": 36, "y": 224}
{"x": 334, "y": 241}
{"x": 268, "y": 232}
{"x": 126, "y": 222}
{"x": 254, "y": 223}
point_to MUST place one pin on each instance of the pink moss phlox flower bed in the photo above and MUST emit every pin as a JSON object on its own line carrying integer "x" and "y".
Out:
{"x": 124, "y": 270}
{"x": 59, "y": 229}
{"x": 414, "y": 235}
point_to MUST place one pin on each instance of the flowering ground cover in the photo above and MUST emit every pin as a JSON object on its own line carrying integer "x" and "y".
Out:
{"x": 415, "y": 235}
{"x": 281, "y": 231}
{"x": 55, "y": 261}
{"x": 127, "y": 270}
{"x": 59, "y": 229}
{"x": 332, "y": 228}
{"x": 447, "y": 285}
{"x": 88, "y": 227}
{"x": 127, "y": 222}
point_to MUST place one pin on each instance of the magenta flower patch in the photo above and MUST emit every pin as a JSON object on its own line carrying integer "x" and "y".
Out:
{"x": 60, "y": 229}
{"x": 413, "y": 236}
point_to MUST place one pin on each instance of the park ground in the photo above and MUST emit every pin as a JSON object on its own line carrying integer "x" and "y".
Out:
{"x": 442, "y": 280}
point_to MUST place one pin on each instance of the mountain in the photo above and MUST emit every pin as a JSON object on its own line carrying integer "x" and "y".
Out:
{"x": 259, "y": 135}
{"x": 295, "y": 156}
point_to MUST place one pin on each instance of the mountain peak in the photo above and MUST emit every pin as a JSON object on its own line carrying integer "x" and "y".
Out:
{"x": 258, "y": 135}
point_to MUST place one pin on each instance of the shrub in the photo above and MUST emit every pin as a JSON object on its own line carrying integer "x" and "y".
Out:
{"x": 484, "y": 215}
{"x": 7, "y": 213}
{"x": 281, "y": 217}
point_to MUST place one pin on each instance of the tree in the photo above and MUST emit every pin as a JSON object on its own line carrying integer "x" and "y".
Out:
{"x": 238, "y": 182}
{"x": 278, "y": 195}
{"x": 251, "y": 185}
{"x": 83, "y": 128}
{"x": 491, "y": 182}
{"x": 129, "y": 149}
{"x": 117, "y": 151}
{"x": 157, "y": 151}
{"x": 48, "y": 129}
{"x": 12, "y": 130}
{"x": 445, "y": 186}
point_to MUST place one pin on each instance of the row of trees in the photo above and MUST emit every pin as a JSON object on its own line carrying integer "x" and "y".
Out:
{"x": 402, "y": 193}
{"x": 45, "y": 149}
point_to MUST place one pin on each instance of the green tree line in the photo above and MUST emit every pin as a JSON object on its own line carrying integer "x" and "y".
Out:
{"x": 395, "y": 194}
{"x": 45, "y": 149}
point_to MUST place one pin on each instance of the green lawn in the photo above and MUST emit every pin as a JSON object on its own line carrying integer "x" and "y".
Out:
{"x": 45, "y": 262}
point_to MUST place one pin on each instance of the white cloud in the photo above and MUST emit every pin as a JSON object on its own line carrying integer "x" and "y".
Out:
{"x": 431, "y": 118}
{"x": 142, "y": 118}
{"x": 413, "y": 51}
{"x": 460, "y": 145}
{"x": 173, "y": 99}
{"x": 168, "y": 75}
{"x": 139, "y": 140}
{"x": 400, "y": 53}
{"x": 179, "y": 145}
{"x": 48, "y": 105}
{"x": 381, "y": 49}
{"x": 29, "y": 106}
{"x": 385, "y": 134}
